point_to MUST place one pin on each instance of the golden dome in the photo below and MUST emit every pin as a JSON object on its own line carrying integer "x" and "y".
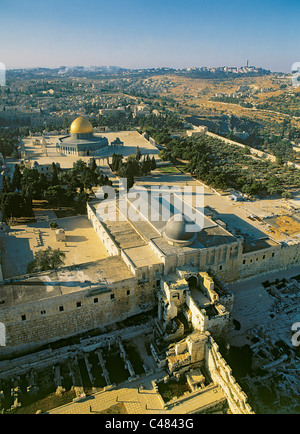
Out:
{"x": 81, "y": 125}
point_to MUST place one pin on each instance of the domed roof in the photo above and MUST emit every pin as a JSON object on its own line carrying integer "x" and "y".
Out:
{"x": 81, "y": 125}
{"x": 176, "y": 229}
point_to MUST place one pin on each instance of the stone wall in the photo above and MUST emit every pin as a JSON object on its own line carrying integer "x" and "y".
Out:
{"x": 198, "y": 318}
{"x": 102, "y": 233}
{"x": 196, "y": 345}
{"x": 218, "y": 324}
{"x": 243, "y": 265}
{"x": 207, "y": 284}
{"x": 221, "y": 374}
{"x": 55, "y": 318}
{"x": 263, "y": 261}
{"x": 223, "y": 260}
{"x": 128, "y": 262}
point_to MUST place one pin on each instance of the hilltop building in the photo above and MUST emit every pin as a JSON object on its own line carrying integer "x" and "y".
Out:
{"x": 160, "y": 265}
{"x": 197, "y": 131}
{"x": 150, "y": 265}
{"x": 141, "y": 255}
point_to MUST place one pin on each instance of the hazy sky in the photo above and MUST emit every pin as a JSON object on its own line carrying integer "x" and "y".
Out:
{"x": 156, "y": 33}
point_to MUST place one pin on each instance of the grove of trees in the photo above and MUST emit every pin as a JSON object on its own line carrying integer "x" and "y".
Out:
{"x": 221, "y": 166}
{"x": 134, "y": 166}
{"x": 60, "y": 188}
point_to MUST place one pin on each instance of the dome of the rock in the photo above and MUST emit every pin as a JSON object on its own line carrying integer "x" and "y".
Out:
{"x": 81, "y": 126}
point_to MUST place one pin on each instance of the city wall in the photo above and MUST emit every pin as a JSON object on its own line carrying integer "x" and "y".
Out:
{"x": 60, "y": 317}
{"x": 274, "y": 258}
{"x": 197, "y": 317}
{"x": 221, "y": 374}
{"x": 102, "y": 233}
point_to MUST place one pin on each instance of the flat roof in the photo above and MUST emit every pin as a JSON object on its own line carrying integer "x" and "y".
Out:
{"x": 160, "y": 205}
{"x": 215, "y": 236}
{"x": 71, "y": 141}
{"x": 67, "y": 280}
{"x": 142, "y": 256}
{"x": 21, "y": 242}
{"x": 255, "y": 245}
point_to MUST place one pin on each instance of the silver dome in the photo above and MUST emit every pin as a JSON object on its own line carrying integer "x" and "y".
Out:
{"x": 176, "y": 230}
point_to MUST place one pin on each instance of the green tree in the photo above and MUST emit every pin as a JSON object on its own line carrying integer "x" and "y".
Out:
{"x": 138, "y": 153}
{"x": 127, "y": 174}
{"x": 14, "y": 205}
{"x": 132, "y": 166}
{"x": 54, "y": 175}
{"x": 286, "y": 195}
{"x": 30, "y": 184}
{"x": 94, "y": 165}
{"x": 17, "y": 178}
{"x": 6, "y": 184}
{"x": 146, "y": 165}
{"x": 153, "y": 163}
{"x": 79, "y": 167}
{"x": 46, "y": 260}
{"x": 82, "y": 201}
{"x": 55, "y": 195}
{"x": 116, "y": 162}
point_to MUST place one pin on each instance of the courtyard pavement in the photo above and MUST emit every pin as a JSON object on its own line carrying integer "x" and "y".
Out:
{"x": 144, "y": 400}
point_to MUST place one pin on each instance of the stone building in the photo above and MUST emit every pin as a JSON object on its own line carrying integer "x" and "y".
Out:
{"x": 46, "y": 169}
{"x": 204, "y": 305}
{"x": 197, "y": 131}
{"x": 153, "y": 265}
{"x": 60, "y": 235}
{"x": 198, "y": 359}
{"x": 149, "y": 262}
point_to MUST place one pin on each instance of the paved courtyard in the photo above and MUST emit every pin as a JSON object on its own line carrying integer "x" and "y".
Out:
{"x": 252, "y": 308}
{"x": 131, "y": 140}
{"x": 21, "y": 242}
{"x": 143, "y": 400}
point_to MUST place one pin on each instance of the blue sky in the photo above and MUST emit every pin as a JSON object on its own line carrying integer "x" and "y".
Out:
{"x": 156, "y": 33}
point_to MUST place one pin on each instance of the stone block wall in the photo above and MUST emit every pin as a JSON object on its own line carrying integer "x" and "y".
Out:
{"x": 67, "y": 315}
{"x": 218, "y": 325}
{"x": 224, "y": 260}
{"x": 221, "y": 374}
{"x": 263, "y": 261}
{"x": 102, "y": 233}
{"x": 277, "y": 257}
{"x": 198, "y": 318}
{"x": 196, "y": 344}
